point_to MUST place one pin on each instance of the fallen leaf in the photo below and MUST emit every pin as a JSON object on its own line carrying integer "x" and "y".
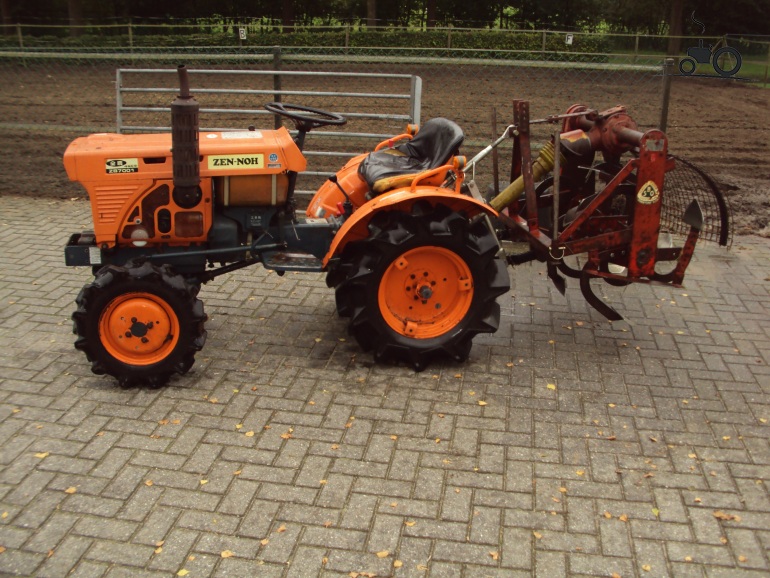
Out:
{"x": 213, "y": 400}
{"x": 160, "y": 543}
{"x": 458, "y": 375}
{"x": 723, "y": 540}
{"x": 656, "y": 512}
{"x": 697, "y": 500}
{"x": 226, "y": 554}
{"x": 282, "y": 529}
{"x": 422, "y": 567}
{"x": 324, "y": 560}
{"x": 393, "y": 504}
{"x": 537, "y": 535}
{"x": 726, "y": 438}
{"x": 204, "y": 482}
{"x": 438, "y": 440}
{"x": 397, "y": 563}
{"x": 15, "y": 410}
{"x": 720, "y": 515}
{"x": 71, "y": 490}
{"x": 394, "y": 438}
{"x": 495, "y": 555}
{"x": 563, "y": 490}
{"x": 688, "y": 558}
{"x": 742, "y": 559}
{"x": 482, "y": 402}
{"x": 163, "y": 422}
{"x": 158, "y": 550}
{"x": 646, "y": 567}
{"x": 237, "y": 473}
{"x": 652, "y": 439}
{"x": 693, "y": 456}
{"x": 176, "y": 421}
{"x": 322, "y": 482}
{"x": 410, "y": 523}
{"x": 286, "y": 436}
{"x": 442, "y": 416}
{"x": 551, "y": 386}
{"x": 607, "y": 515}
{"x": 311, "y": 402}
{"x": 383, "y": 554}
{"x": 335, "y": 446}
{"x": 264, "y": 541}
{"x": 148, "y": 483}
{"x": 4, "y": 515}
{"x": 328, "y": 524}
{"x": 249, "y": 434}
{"x": 2, "y": 549}
{"x": 42, "y": 455}
{"x": 580, "y": 472}
{"x": 183, "y": 572}
{"x": 615, "y": 575}
{"x": 100, "y": 434}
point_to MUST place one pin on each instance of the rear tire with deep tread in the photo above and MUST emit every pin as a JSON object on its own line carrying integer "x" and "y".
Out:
{"x": 371, "y": 281}
{"x": 139, "y": 323}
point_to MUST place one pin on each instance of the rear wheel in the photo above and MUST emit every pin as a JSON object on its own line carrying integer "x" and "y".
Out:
{"x": 139, "y": 323}
{"x": 422, "y": 285}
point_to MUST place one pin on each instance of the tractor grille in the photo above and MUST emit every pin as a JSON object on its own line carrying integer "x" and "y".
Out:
{"x": 685, "y": 183}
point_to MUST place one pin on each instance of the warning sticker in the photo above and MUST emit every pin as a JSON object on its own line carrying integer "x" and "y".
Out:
{"x": 114, "y": 166}
{"x": 219, "y": 162}
{"x": 648, "y": 194}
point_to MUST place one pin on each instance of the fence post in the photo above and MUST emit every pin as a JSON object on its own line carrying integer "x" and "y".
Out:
{"x": 347, "y": 37}
{"x": 18, "y": 33}
{"x": 636, "y": 48}
{"x": 277, "y": 61}
{"x": 131, "y": 39}
{"x": 449, "y": 37}
{"x": 668, "y": 65}
{"x": 543, "y": 42}
{"x": 767, "y": 65}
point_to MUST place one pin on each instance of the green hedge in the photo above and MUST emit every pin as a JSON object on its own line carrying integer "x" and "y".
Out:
{"x": 496, "y": 40}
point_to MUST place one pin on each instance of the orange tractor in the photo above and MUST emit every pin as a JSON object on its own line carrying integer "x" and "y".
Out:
{"x": 412, "y": 251}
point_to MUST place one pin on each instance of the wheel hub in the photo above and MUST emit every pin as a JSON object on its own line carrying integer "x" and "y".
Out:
{"x": 139, "y": 328}
{"x": 425, "y": 292}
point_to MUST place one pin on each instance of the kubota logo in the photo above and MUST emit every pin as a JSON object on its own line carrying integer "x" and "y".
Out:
{"x": 113, "y": 166}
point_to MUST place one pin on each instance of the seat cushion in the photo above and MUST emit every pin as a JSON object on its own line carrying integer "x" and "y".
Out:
{"x": 435, "y": 143}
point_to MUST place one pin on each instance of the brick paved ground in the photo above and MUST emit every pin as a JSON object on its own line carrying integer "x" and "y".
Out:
{"x": 602, "y": 448}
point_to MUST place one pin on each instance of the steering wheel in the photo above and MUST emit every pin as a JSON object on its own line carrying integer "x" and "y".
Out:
{"x": 313, "y": 117}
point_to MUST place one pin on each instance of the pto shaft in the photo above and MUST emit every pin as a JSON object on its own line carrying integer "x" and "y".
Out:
{"x": 540, "y": 168}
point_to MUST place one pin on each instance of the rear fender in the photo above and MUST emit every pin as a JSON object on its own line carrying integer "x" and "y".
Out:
{"x": 324, "y": 202}
{"x": 356, "y": 226}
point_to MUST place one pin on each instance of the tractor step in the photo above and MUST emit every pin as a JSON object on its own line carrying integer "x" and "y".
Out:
{"x": 291, "y": 261}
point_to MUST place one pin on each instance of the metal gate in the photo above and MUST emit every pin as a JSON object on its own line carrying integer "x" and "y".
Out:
{"x": 377, "y": 105}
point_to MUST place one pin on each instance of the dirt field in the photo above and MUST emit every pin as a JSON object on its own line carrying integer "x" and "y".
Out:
{"x": 724, "y": 127}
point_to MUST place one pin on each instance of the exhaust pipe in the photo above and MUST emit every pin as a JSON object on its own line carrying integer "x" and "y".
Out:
{"x": 185, "y": 149}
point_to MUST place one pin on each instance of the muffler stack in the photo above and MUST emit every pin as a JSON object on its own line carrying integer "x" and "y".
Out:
{"x": 185, "y": 150}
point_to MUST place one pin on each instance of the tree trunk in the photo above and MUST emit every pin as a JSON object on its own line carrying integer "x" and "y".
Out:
{"x": 287, "y": 13}
{"x": 371, "y": 13}
{"x": 675, "y": 27}
{"x": 431, "y": 5}
{"x": 75, "y": 9}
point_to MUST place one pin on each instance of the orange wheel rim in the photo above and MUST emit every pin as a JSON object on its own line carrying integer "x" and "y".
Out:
{"x": 139, "y": 329}
{"x": 425, "y": 292}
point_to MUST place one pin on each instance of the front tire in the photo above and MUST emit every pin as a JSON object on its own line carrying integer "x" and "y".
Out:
{"x": 422, "y": 285}
{"x": 139, "y": 324}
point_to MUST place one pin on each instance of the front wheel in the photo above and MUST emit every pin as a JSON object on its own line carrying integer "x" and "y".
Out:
{"x": 422, "y": 285}
{"x": 139, "y": 323}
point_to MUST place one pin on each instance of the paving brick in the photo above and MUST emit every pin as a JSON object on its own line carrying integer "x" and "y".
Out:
{"x": 664, "y": 435}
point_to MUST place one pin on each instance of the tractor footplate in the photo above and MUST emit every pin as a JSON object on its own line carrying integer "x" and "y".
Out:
{"x": 291, "y": 261}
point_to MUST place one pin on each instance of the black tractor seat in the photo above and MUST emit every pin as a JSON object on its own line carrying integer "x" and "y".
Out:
{"x": 434, "y": 144}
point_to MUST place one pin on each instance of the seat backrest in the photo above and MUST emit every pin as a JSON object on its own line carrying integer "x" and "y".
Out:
{"x": 437, "y": 140}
